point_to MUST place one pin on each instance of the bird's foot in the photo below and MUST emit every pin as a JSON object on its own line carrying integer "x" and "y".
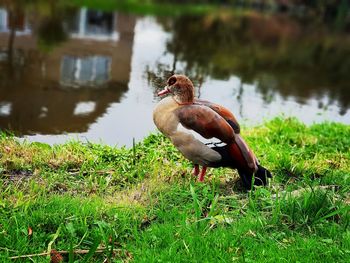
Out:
{"x": 195, "y": 170}
{"x": 201, "y": 176}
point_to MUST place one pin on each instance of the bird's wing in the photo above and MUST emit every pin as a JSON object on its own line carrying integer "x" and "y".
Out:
{"x": 247, "y": 153}
{"x": 206, "y": 122}
{"x": 223, "y": 112}
{"x": 230, "y": 119}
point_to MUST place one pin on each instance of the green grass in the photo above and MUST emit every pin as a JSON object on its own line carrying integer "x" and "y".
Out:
{"x": 145, "y": 7}
{"x": 143, "y": 205}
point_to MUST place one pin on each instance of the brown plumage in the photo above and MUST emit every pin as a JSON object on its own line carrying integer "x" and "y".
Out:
{"x": 189, "y": 123}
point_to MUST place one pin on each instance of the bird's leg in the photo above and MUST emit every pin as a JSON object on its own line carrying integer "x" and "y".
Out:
{"x": 196, "y": 170}
{"x": 201, "y": 176}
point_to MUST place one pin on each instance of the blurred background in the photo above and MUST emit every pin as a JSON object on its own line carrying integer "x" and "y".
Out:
{"x": 90, "y": 70}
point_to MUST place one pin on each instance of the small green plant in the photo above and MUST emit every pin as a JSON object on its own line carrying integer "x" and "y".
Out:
{"x": 311, "y": 207}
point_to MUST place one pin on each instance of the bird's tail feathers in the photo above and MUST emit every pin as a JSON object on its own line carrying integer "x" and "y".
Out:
{"x": 260, "y": 177}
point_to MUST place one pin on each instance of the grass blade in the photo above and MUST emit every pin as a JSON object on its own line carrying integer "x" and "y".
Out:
{"x": 92, "y": 250}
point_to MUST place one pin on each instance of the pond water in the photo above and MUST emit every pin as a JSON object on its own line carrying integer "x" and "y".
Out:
{"x": 80, "y": 73}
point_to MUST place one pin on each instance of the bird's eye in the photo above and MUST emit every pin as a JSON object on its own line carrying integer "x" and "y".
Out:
{"x": 171, "y": 81}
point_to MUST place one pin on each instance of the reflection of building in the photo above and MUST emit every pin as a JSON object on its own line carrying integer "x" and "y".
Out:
{"x": 68, "y": 88}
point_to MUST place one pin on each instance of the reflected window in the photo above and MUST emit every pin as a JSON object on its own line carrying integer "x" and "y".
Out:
{"x": 5, "y": 108}
{"x": 97, "y": 25}
{"x": 3, "y": 20}
{"x": 84, "y": 108}
{"x": 43, "y": 113}
{"x": 19, "y": 23}
{"x": 87, "y": 71}
{"x": 3, "y": 55}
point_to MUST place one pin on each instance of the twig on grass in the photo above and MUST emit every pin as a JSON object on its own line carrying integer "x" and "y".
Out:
{"x": 76, "y": 251}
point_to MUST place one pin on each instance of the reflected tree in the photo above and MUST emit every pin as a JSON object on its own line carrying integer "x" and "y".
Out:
{"x": 277, "y": 52}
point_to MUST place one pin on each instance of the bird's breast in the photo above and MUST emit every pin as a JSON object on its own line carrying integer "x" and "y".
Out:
{"x": 164, "y": 116}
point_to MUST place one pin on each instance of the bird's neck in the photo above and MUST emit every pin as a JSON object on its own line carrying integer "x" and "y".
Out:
{"x": 180, "y": 101}
{"x": 184, "y": 98}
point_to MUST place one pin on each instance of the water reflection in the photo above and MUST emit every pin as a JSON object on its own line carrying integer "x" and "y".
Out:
{"x": 54, "y": 86}
{"x": 93, "y": 74}
{"x": 277, "y": 53}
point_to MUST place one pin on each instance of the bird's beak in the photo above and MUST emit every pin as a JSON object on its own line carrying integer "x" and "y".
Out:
{"x": 164, "y": 91}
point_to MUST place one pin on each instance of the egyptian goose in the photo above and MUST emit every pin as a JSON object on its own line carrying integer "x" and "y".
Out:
{"x": 191, "y": 125}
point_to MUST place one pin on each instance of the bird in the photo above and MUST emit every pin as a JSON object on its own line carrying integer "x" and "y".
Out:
{"x": 206, "y": 133}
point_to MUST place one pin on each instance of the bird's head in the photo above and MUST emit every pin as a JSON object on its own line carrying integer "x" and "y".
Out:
{"x": 181, "y": 88}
